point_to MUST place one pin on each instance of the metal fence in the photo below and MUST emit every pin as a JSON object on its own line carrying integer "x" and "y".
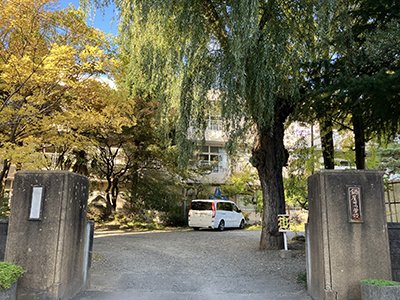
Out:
{"x": 392, "y": 200}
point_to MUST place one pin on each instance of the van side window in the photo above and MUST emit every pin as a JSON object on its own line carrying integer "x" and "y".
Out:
{"x": 198, "y": 205}
{"x": 224, "y": 206}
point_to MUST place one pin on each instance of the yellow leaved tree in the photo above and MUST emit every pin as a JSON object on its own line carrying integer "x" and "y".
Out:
{"x": 48, "y": 59}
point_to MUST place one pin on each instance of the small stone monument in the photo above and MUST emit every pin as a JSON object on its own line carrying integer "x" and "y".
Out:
{"x": 48, "y": 235}
{"x": 347, "y": 233}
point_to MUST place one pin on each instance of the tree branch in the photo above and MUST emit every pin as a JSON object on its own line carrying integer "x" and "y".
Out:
{"x": 343, "y": 125}
{"x": 214, "y": 19}
{"x": 23, "y": 83}
{"x": 265, "y": 17}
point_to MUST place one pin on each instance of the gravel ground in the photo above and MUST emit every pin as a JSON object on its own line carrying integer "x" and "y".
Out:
{"x": 188, "y": 262}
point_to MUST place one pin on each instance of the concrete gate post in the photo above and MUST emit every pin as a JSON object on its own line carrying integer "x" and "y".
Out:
{"x": 47, "y": 234}
{"x": 347, "y": 233}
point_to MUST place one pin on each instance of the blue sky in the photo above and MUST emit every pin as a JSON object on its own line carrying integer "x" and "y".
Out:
{"x": 101, "y": 22}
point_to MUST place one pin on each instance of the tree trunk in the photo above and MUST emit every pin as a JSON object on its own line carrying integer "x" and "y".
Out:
{"x": 4, "y": 175}
{"x": 114, "y": 193}
{"x": 328, "y": 150}
{"x": 359, "y": 140}
{"x": 7, "y": 162}
{"x": 80, "y": 166}
{"x": 269, "y": 156}
{"x": 108, "y": 192}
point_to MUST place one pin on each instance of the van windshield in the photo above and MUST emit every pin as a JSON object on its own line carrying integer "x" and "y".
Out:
{"x": 198, "y": 205}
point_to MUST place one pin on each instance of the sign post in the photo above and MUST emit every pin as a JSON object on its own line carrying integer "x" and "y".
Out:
{"x": 284, "y": 226}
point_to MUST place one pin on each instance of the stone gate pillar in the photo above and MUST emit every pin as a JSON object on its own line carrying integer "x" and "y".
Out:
{"x": 47, "y": 233}
{"x": 348, "y": 237}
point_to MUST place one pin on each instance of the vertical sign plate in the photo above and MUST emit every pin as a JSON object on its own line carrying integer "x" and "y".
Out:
{"x": 283, "y": 223}
{"x": 354, "y": 193}
{"x": 36, "y": 203}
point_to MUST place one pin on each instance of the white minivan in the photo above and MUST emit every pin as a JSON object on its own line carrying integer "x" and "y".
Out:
{"x": 216, "y": 213}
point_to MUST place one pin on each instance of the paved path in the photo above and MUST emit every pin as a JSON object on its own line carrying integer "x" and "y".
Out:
{"x": 191, "y": 265}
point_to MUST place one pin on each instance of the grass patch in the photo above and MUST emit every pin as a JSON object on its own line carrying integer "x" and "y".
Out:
{"x": 293, "y": 227}
{"x": 302, "y": 279}
{"x": 129, "y": 226}
{"x": 297, "y": 227}
{"x": 142, "y": 226}
{"x": 253, "y": 227}
{"x": 380, "y": 282}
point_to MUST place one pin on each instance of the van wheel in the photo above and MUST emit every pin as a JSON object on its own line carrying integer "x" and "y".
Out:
{"x": 196, "y": 228}
{"x": 221, "y": 225}
{"x": 241, "y": 224}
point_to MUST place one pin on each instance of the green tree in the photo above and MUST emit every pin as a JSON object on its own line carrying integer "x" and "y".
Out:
{"x": 112, "y": 153}
{"x": 304, "y": 161}
{"x": 248, "y": 51}
{"x": 356, "y": 85}
{"x": 155, "y": 189}
{"x": 247, "y": 185}
{"x": 389, "y": 158}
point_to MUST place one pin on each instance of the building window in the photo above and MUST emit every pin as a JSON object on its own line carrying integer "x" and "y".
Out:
{"x": 215, "y": 154}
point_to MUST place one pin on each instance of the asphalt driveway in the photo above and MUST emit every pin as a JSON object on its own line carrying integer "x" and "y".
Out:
{"x": 195, "y": 265}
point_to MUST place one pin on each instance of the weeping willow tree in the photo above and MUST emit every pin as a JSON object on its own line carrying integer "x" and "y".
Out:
{"x": 246, "y": 53}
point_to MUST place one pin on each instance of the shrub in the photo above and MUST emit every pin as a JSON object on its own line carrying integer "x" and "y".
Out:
{"x": 246, "y": 215}
{"x": 132, "y": 211}
{"x": 9, "y": 273}
{"x": 4, "y": 208}
{"x": 174, "y": 218}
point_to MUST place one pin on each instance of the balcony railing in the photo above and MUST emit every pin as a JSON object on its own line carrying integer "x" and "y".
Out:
{"x": 214, "y": 125}
{"x": 220, "y": 168}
